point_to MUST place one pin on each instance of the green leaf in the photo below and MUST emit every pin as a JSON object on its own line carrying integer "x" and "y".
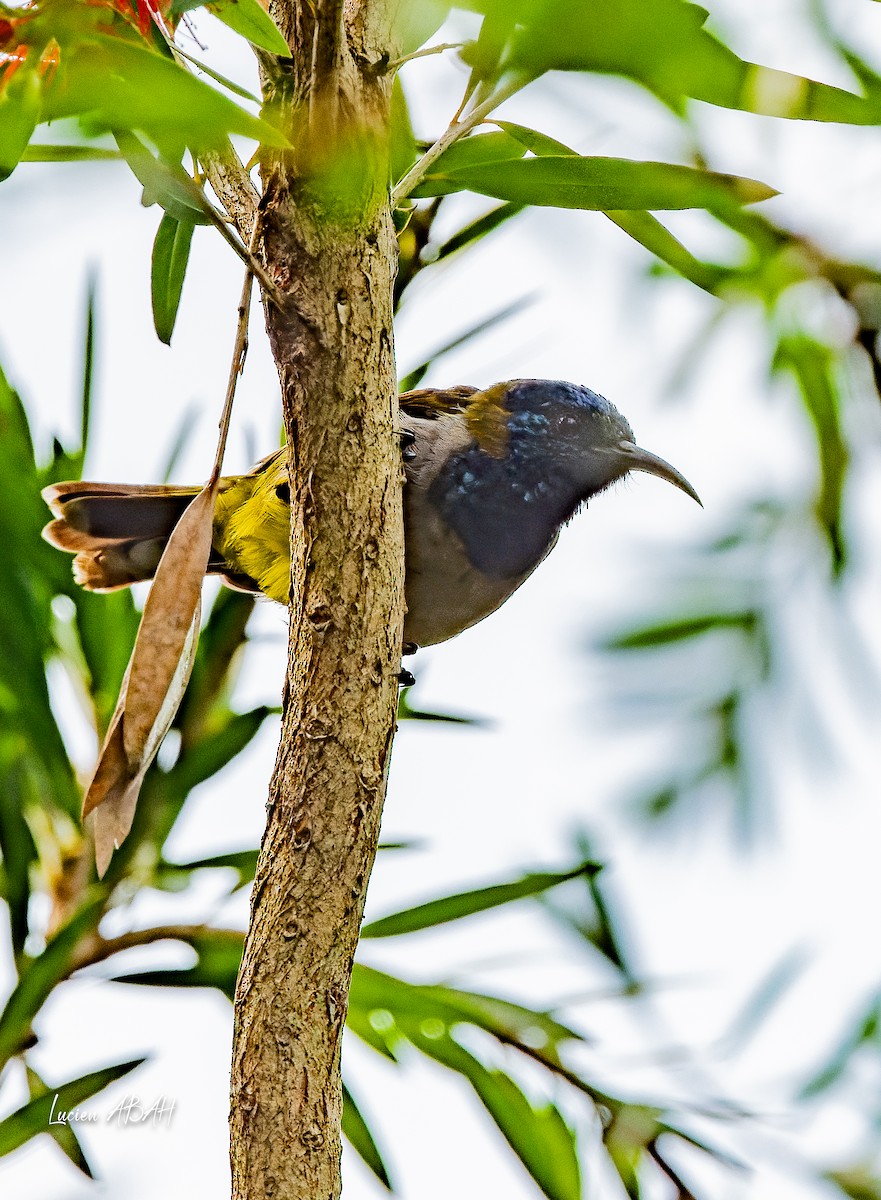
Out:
{"x": 413, "y": 378}
{"x": 375, "y": 991}
{"x": 478, "y": 229}
{"x": 566, "y": 181}
{"x": 171, "y": 252}
{"x": 20, "y": 103}
{"x": 215, "y": 749}
{"x": 243, "y": 862}
{"x": 417, "y": 21}
{"x": 538, "y": 143}
{"x": 47, "y": 153}
{"x": 405, "y": 711}
{"x": 402, "y": 142}
{"x": 357, "y": 1133}
{"x": 106, "y": 626}
{"x": 864, "y": 1031}
{"x": 118, "y": 84}
{"x": 16, "y": 842}
{"x": 63, "y": 1135}
{"x": 679, "y": 629}
{"x": 33, "y": 1118}
{"x": 538, "y": 1135}
{"x": 649, "y": 232}
{"x": 469, "y": 152}
{"x": 218, "y": 956}
{"x": 816, "y": 370}
{"x": 223, "y": 636}
{"x": 252, "y": 21}
{"x": 465, "y": 904}
{"x": 663, "y": 46}
{"x": 39, "y": 976}
{"x": 229, "y": 84}
{"x": 164, "y": 183}
{"x": 27, "y": 585}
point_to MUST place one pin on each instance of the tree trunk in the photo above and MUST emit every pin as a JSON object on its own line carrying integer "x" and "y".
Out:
{"x": 328, "y": 242}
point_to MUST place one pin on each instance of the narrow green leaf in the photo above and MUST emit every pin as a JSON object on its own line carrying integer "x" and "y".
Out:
{"x": 252, "y": 21}
{"x": 664, "y": 47}
{"x": 466, "y": 904}
{"x": 405, "y": 710}
{"x": 243, "y": 862}
{"x": 768, "y": 993}
{"x": 16, "y": 842}
{"x": 219, "y": 954}
{"x": 40, "y": 975}
{"x": 816, "y": 371}
{"x": 215, "y": 749}
{"x": 62, "y": 1134}
{"x": 468, "y": 153}
{"x": 357, "y": 1133}
{"x": 566, "y": 181}
{"x": 122, "y": 85}
{"x": 538, "y": 1135}
{"x": 413, "y": 378}
{"x": 864, "y": 1030}
{"x": 478, "y": 229}
{"x": 416, "y": 22}
{"x": 229, "y": 84}
{"x": 164, "y": 183}
{"x": 33, "y": 1118}
{"x": 649, "y": 232}
{"x": 88, "y": 366}
{"x": 665, "y": 633}
{"x": 171, "y": 253}
{"x": 402, "y": 141}
{"x": 374, "y": 990}
{"x": 20, "y": 103}
{"x": 46, "y": 152}
{"x": 538, "y": 143}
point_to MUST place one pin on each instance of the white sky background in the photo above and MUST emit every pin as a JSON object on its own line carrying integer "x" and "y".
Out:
{"x": 487, "y": 803}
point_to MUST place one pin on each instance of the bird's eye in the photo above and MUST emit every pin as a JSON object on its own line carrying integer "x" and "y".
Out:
{"x": 283, "y": 491}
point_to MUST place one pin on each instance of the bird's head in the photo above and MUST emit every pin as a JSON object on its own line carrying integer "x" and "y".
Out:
{"x": 579, "y": 431}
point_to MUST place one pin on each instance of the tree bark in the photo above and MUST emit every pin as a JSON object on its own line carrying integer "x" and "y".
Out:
{"x": 328, "y": 242}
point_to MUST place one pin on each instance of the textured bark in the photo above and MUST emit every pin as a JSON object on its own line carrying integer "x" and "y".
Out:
{"x": 328, "y": 242}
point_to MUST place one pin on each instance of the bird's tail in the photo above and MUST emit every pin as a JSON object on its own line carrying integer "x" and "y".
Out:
{"x": 118, "y": 531}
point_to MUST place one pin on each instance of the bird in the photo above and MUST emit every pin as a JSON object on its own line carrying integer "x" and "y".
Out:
{"x": 491, "y": 477}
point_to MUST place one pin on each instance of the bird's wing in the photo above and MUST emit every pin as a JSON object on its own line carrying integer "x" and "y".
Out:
{"x": 431, "y": 403}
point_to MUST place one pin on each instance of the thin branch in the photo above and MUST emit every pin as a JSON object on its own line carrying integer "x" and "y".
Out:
{"x": 98, "y": 949}
{"x": 685, "y": 1193}
{"x": 457, "y": 129}
{"x": 255, "y": 267}
{"x": 232, "y": 185}
{"x": 599, "y": 1098}
{"x": 234, "y": 188}
{"x": 396, "y": 63}
{"x": 240, "y": 350}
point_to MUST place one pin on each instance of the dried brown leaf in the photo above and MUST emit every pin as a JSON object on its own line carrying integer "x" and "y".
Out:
{"x": 166, "y": 625}
{"x": 112, "y": 796}
{"x": 155, "y": 680}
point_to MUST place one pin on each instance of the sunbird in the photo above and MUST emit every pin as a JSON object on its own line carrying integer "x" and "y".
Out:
{"x": 492, "y": 475}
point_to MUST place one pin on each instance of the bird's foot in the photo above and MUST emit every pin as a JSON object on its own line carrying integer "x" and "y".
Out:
{"x": 408, "y": 444}
{"x": 406, "y": 678}
{"x": 409, "y": 648}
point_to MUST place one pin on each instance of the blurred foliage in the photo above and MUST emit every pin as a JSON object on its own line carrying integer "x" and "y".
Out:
{"x": 709, "y": 654}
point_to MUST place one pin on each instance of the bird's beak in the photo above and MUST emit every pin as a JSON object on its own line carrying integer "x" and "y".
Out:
{"x": 634, "y": 458}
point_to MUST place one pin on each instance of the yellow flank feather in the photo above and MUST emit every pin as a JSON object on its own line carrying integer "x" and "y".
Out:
{"x": 252, "y": 519}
